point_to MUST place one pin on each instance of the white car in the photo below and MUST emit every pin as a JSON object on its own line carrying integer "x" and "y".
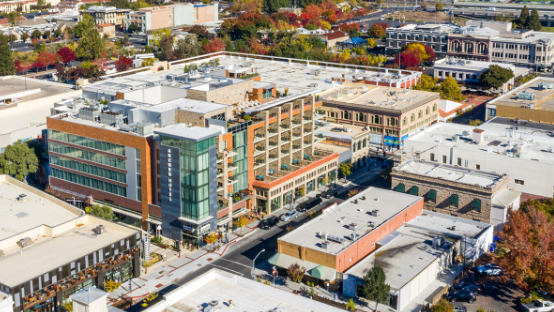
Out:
{"x": 293, "y": 214}
{"x": 489, "y": 269}
{"x": 539, "y": 306}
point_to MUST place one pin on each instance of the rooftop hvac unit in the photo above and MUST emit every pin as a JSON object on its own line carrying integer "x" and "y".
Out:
{"x": 322, "y": 235}
{"x": 145, "y": 128}
{"x": 525, "y": 96}
{"x": 212, "y": 306}
{"x": 362, "y": 198}
{"x": 314, "y": 85}
{"x": 22, "y": 198}
{"x": 454, "y": 138}
{"x": 25, "y": 242}
{"x": 325, "y": 244}
{"x": 353, "y": 226}
{"x": 465, "y": 133}
{"x": 545, "y": 85}
{"x": 100, "y": 229}
{"x": 530, "y": 106}
{"x": 375, "y": 212}
{"x": 336, "y": 239}
{"x": 438, "y": 242}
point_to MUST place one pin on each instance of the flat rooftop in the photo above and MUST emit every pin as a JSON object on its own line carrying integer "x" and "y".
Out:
{"x": 340, "y": 131}
{"x": 380, "y": 97}
{"x": 189, "y": 105}
{"x": 190, "y": 133}
{"x": 453, "y": 63}
{"x": 60, "y": 233}
{"x": 449, "y": 173}
{"x": 404, "y": 253}
{"x": 17, "y": 85}
{"x": 335, "y": 221}
{"x": 544, "y": 99}
{"x": 247, "y": 295}
{"x": 534, "y": 139}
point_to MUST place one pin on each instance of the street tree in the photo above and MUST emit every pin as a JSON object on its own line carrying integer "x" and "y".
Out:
{"x": 84, "y": 26}
{"x": 406, "y": 60}
{"x": 188, "y": 47}
{"x": 442, "y": 306}
{"x": 57, "y": 33}
{"x": 46, "y": 34}
{"x": 166, "y": 48}
{"x": 215, "y": 45}
{"x": 90, "y": 46}
{"x": 374, "y": 286}
{"x": 534, "y": 21}
{"x": 523, "y": 17}
{"x": 345, "y": 169}
{"x": 44, "y": 59}
{"x": 18, "y": 160}
{"x": 7, "y": 66}
{"x": 439, "y": 6}
{"x": 450, "y": 90}
{"x": 36, "y": 34}
{"x": 240, "y": 223}
{"x": 66, "y": 55}
{"x": 296, "y": 273}
{"x": 24, "y": 37}
{"x": 123, "y": 63}
{"x": 496, "y": 76}
{"x": 377, "y": 31}
{"x": 527, "y": 242}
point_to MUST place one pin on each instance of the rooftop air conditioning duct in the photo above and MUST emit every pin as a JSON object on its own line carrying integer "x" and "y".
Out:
{"x": 375, "y": 212}
{"x": 25, "y": 242}
{"x": 100, "y": 229}
{"x": 353, "y": 226}
{"x": 22, "y": 198}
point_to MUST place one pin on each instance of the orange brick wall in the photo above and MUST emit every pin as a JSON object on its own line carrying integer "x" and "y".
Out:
{"x": 364, "y": 246}
{"x": 117, "y": 137}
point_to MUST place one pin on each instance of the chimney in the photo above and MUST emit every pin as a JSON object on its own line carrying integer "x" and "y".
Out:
{"x": 478, "y": 136}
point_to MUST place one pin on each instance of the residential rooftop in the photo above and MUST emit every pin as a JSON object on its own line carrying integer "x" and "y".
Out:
{"x": 501, "y": 136}
{"x": 530, "y": 95}
{"x": 335, "y": 220}
{"x": 380, "y": 97}
{"x": 407, "y": 251}
{"x": 449, "y": 173}
{"x": 219, "y": 288}
{"x": 59, "y": 232}
{"x": 191, "y": 133}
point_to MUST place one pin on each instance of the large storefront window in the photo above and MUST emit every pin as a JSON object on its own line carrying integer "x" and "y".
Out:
{"x": 287, "y": 198}
{"x": 89, "y": 182}
{"x": 86, "y": 155}
{"x": 86, "y": 142}
{"x": 90, "y": 169}
{"x": 332, "y": 175}
{"x": 320, "y": 181}
{"x": 310, "y": 186}
{"x": 275, "y": 203}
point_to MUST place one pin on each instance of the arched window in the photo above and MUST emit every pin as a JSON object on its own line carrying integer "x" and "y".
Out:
{"x": 454, "y": 199}
{"x": 414, "y": 190}
{"x": 476, "y": 205}
{"x": 412, "y": 118}
{"x": 405, "y": 121}
{"x": 419, "y": 114}
{"x": 431, "y": 196}
{"x": 360, "y": 117}
{"x": 376, "y": 119}
{"x": 427, "y": 111}
{"x": 435, "y": 107}
{"x": 344, "y": 115}
{"x": 400, "y": 188}
{"x": 365, "y": 142}
{"x": 359, "y": 145}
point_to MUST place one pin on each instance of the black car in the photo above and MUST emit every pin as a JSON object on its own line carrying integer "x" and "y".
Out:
{"x": 268, "y": 222}
{"x": 462, "y": 295}
{"x": 467, "y": 286}
{"x": 310, "y": 203}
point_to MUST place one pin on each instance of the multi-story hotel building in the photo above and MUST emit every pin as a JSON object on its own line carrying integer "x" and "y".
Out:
{"x": 191, "y": 151}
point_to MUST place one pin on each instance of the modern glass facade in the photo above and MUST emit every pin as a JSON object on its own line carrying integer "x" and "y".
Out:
{"x": 90, "y": 169}
{"x": 86, "y": 155}
{"x": 194, "y": 165}
{"x": 240, "y": 146}
{"x": 89, "y": 182}
{"x": 86, "y": 142}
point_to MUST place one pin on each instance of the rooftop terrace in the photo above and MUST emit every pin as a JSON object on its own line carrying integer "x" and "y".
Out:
{"x": 335, "y": 220}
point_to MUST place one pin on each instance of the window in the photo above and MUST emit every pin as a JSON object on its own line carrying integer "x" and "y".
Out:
{"x": 405, "y": 121}
{"x": 435, "y": 107}
{"x": 478, "y": 167}
{"x": 344, "y": 115}
{"x": 414, "y": 191}
{"x": 520, "y": 182}
{"x": 400, "y": 188}
{"x": 158, "y": 154}
{"x": 440, "y": 73}
{"x": 431, "y": 196}
{"x": 476, "y": 205}
{"x": 419, "y": 114}
{"x": 444, "y": 159}
{"x": 432, "y": 157}
{"x": 459, "y": 161}
{"x": 412, "y": 118}
{"x": 454, "y": 200}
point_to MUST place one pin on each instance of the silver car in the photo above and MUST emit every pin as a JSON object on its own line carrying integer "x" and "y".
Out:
{"x": 293, "y": 214}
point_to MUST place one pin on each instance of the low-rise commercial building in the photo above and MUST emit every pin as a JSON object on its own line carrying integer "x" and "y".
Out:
{"x": 107, "y": 15}
{"x": 520, "y": 149}
{"x": 332, "y": 38}
{"x": 432, "y": 35}
{"x": 50, "y": 249}
{"x": 174, "y": 15}
{"x": 457, "y": 190}
{"x": 107, "y": 30}
{"x": 344, "y": 234}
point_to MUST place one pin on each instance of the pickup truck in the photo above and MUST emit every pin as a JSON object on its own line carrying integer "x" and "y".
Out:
{"x": 539, "y": 306}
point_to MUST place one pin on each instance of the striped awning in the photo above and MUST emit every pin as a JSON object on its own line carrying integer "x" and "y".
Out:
{"x": 312, "y": 269}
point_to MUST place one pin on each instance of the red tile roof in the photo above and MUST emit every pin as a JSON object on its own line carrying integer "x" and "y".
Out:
{"x": 105, "y": 25}
{"x": 334, "y": 35}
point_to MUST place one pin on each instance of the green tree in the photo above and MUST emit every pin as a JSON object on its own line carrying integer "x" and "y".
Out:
{"x": 46, "y": 34}
{"x": 374, "y": 286}
{"x": 36, "y": 34}
{"x": 442, "y": 306}
{"x": 523, "y": 17}
{"x": 240, "y": 223}
{"x": 543, "y": 205}
{"x": 351, "y": 306}
{"x": 84, "y": 26}
{"x": 439, "y": 6}
{"x": 104, "y": 212}
{"x": 426, "y": 83}
{"x": 24, "y": 37}
{"x": 534, "y": 21}
{"x": 345, "y": 169}
{"x": 450, "y": 90}
{"x": 7, "y": 66}
{"x": 272, "y": 6}
{"x": 90, "y": 46}
{"x": 166, "y": 48}
{"x": 57, "y": 32}
{"x": 496, "y": 76}
{"x": 188, "y": 47}
{"x": 296, "y": 273}
{"x": 40, "y": 4}
{"x": 18, "y": 160}
{"x": 12, "y": 17}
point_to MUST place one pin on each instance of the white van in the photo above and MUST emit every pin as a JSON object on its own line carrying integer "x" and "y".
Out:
{"x": 491, "y": 9}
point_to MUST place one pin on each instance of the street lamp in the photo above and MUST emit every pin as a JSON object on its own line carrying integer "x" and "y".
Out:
{"x": 254, "y": 264}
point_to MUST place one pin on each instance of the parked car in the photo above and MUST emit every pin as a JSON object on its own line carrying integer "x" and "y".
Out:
{"x": 489, "y": 269}
{"x": 293, "y": 214}
{"x": 462, "y": 295}
{"x": 538, "y": 306}
{"x": 473, "y": 288}
{"x": 310, "y": 203}
{"x": 461, "y": 286}
{"x": 268, "y": 222}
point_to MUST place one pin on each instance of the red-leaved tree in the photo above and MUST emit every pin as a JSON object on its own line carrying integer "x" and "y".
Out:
{"x": 44, "y": 59}
{"x": 406, "y": 60}
{"x": 123, "y": 63}
{"x": 431, "y": 56}
{"x": 66, "y": 55}
{"x": 377, "y": 31}
{"x": 383, "y": 25}
{"x": 215, "y": 45}
{"x": 527, "y": 241}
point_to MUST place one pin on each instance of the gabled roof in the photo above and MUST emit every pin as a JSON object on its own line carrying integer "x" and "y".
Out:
{"x": 334, "y": 35}
{"x": 88, "y": 295}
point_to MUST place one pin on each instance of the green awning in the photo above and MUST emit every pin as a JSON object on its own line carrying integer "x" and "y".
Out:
{"x": 476, "y": 205}
{"x": 432, "y": 195}
{"x": 454, "y": 200}
{"x": 400, "y": 188}
{"x": 414, "y": 191}
{"x": 318, "y": 272}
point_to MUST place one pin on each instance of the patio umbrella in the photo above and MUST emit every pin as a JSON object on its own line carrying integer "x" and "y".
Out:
{"x": 472, "y": 90}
